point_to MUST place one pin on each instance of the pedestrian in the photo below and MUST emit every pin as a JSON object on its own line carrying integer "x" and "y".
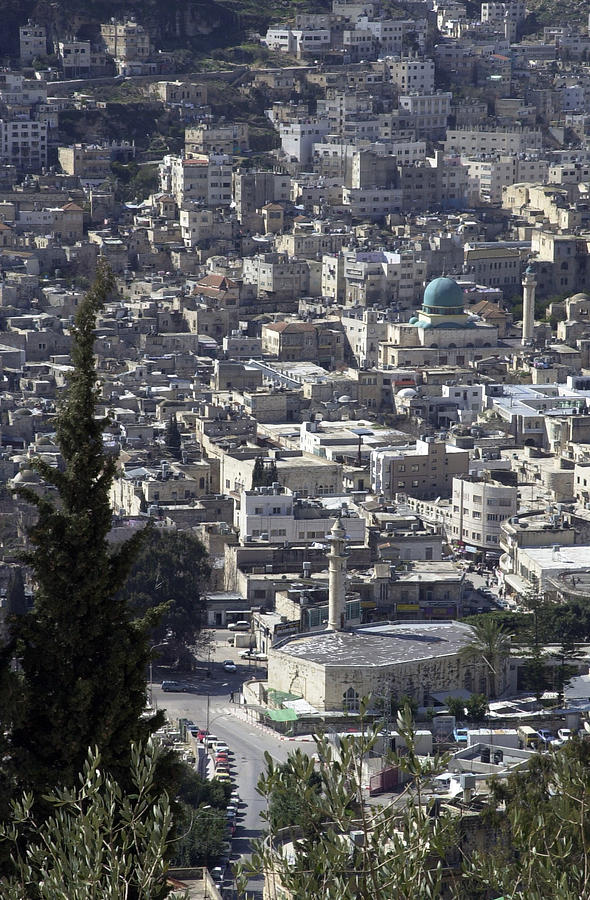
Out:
{"x": 231, "y": 697}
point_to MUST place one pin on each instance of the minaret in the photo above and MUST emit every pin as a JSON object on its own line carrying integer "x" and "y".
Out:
{"x": 529, "y": 284}
{"x": 336, "y": 577}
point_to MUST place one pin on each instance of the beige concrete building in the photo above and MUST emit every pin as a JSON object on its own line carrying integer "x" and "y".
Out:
{"x": 126, "y": 41}
{"x": 181, "y": 92}
{"x": 334, "y": 669}
{"x": 91, "y": 162}
{"x": 480, "y": 505}
{"x": 227, "y": 138}
{"x": 424, "y": 470}
{"x": 308, "y": 476}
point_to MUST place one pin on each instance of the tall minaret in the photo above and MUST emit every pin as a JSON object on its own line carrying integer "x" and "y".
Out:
{"x": 529, "y": 284}
{"x": 336, "y": 577}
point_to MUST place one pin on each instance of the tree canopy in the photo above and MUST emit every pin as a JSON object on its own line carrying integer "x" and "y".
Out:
{"x": 172, "y": 437}
{"x": 171, "y": 572}
{"x": 344, "y": 850}
{"x": 99, "y": 839}
{"x": 82, "y": 652}
{"x": 490, "y": 644}
{"x": 543, "y": 830}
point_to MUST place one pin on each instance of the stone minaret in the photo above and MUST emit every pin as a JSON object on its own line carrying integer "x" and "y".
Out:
{"x": 337, "y": 577}
{"x": 529, "y": 284}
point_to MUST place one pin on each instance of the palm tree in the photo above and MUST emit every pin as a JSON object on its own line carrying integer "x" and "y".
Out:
{"x": 490, "y": 643}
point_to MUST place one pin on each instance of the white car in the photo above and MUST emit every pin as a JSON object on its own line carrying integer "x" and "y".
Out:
{"x": 242, "y": 625}
{"x": 221, "y": 747}
{"x": 247, "y": 654}
{"x": 564, "y": 734}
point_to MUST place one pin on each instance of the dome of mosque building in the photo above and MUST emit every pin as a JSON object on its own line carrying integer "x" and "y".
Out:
{"x": 443, "y": 296}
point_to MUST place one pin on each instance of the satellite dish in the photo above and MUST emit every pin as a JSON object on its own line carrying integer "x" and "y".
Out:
{"x": 587, "y": 726}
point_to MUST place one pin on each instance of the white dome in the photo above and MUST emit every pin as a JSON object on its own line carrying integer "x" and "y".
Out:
{"x": 407, "y": 393}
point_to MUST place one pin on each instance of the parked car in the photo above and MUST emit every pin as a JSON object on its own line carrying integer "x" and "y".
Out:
{"x": 170, "y": 686}
{"x": 229, "y": 665}
{"x": 460, "y": 735}
{"x": 242, "y": 625}
{"x": 260, "y": 657}
{"x": 247, "y": 654}
{"x": 564, "y": 734}
{"x": 545, "y": 735}
{"x": 221, "y": 747}
{"x": 225, "y": 777}
{"x": 217, "y": 874}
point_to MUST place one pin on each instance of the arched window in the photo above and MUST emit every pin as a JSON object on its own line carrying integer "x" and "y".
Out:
{"x": 350, "y": 700}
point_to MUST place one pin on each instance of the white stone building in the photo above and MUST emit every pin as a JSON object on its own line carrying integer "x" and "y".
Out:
{"x": 479, "y": 507}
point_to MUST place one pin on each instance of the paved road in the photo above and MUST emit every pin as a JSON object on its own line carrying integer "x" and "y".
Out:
{"x": 248, "y": 742}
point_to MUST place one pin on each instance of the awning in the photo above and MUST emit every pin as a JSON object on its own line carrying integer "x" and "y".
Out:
{"x": 279, "y": 697}
{"x": 517, "y": 583}
{"x": 281, "y": 715}
{"x": 301, "y": 707}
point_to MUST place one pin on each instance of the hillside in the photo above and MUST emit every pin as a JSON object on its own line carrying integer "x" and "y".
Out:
{"x": 196, "y": 25}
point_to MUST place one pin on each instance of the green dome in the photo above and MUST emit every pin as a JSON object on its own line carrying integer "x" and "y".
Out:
{"x": 443, "y": 296}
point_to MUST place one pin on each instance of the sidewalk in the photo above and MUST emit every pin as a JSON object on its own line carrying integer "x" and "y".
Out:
{"x": 240, "y": 712}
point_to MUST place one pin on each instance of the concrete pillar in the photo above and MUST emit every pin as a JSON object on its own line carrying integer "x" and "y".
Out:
{"x": 529, "y": 285}
{"x": 336, "y": 577}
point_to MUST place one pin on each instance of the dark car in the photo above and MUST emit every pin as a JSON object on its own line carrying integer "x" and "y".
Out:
{"x": 170, "y": 686}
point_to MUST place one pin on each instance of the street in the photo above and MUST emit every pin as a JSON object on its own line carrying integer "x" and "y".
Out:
{"x": 247, "y": 742}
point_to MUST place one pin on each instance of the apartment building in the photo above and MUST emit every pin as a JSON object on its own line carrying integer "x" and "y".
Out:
{"x": 367, "y": 278}
{"x": 32, "y": 42}
{"x": 489, "y": 175}
{"x": 173, "y": 92}
{"x": 474, "y": 142}
{"x": 227, "y": 139}
{"x": 16, "y": 90}
{"x": 495, "y": 265}
{"x": 90, "y": 162}
{"x": 424, "y": 470}
{"x": 279, "y": 516}
{"x": 204, "y": 179}
{"x": 126, "y": 41}
{"x": 410, "y": 74}
{"x": 273, "y": 274}
{"x": 479, "y": 506}
{"x": 23, "y": 144}
{"x": 75, "y": 57}
{"x": 252, "y": 190}
{"x": 298, "y": 138}
{"x": 364, "y": 329}
{"x": 428, "y": 112}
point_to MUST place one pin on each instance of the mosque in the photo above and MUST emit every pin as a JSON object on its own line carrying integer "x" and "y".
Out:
{"x": 331, "y": 670}
{"x": 442, "y": 321}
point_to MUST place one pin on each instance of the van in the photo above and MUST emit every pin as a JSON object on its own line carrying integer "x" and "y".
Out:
{"x": 529, "y": 738}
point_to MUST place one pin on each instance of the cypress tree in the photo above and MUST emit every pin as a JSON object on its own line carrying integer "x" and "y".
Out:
{"x": 172, "y": 437}
{"x": 258, "y": 473}
{"x": 83, "y": 656}
{"x": 16, "y": 601}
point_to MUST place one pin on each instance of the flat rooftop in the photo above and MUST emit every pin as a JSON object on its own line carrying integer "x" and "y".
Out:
{"x": 575, "y": 556}
{"x": 380, "y": 645}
